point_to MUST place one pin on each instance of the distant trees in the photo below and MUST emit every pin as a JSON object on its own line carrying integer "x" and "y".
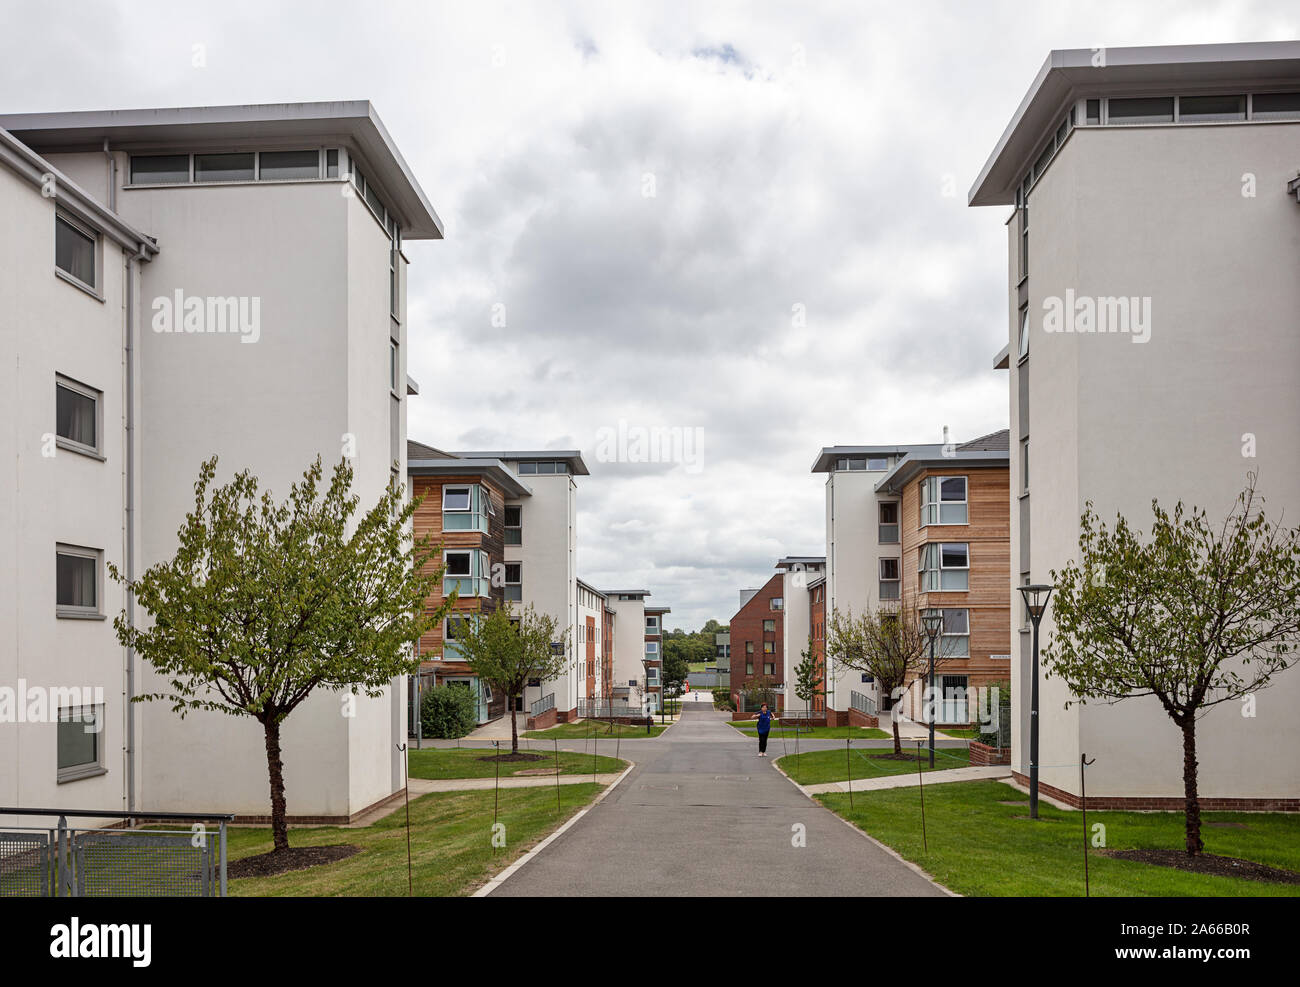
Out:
{"x": 809, "y": 680}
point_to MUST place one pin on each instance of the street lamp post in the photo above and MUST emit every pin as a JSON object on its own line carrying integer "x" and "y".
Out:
{"x": 932, "y": 623}
{"x": 1035, "y": 596}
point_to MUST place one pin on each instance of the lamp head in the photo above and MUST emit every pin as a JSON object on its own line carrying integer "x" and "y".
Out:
{"x": 932, "y": 623}
{"x": 1036, "y": 596}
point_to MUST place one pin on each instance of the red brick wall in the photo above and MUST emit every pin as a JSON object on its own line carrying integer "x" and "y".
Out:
{"x": 1141, "y": 803}
{"x": 983, "y": 756}
{"x": 817, "y": 620}
{"x": 747, "y": 628}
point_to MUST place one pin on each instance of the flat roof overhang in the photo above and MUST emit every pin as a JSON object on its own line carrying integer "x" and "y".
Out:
{"x": 215, "y": 126}
{"x": 908, "y": 468}
{"x": 1069, "y": 74}
{"x": 492, "y": 469}
{"x": 571, "y": 456}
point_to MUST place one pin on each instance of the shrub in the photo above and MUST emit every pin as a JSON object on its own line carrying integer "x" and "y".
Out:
{"x": 448, "y": 712}
{"x": 722, "y": 699}
{"x": 991, "y": 733}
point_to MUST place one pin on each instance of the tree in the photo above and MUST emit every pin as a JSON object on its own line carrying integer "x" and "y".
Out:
{"x": 675, "y": 670}
{"x": 263, "y": 603}
{"x": 760, "y": 689}
{"x": 808, "y": 677}
{"x": 1196, "y": 615}
{"x": 448, "y": 712}
{"x": 889, "y": 644}
{"x": 506, "y": 650}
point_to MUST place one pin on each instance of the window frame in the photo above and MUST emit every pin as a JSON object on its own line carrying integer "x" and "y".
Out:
{"x": 86, "y": 232}
{"x": 882, "y": 524}
{"x": 963, "y": 637}
{"x": 82, "y": 769}
{"x": 514, "y": 588}
{"x": 518, "y": 538}
{"x": 933, "y": 486}
{"x": 70, "y": 611}
{"x": 95, "y": 395}
{"x": 935, "y": 549}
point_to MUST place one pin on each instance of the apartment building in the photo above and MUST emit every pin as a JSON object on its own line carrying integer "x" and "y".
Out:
{"x": 758, "y": 638}
{"x": 899, "y": 532}
{"x": 817, "y": 634}
{"x": 212, "y": 280}
{"x": 632, "y": 640}
{"x": 654, "y": 655}
{"x": 1151, "y": 353}
{"x": 954, "y": 558}
{"x": 795, "y": 604}
{"x": 595, "y": 643}
{"x": 534, "y": 563}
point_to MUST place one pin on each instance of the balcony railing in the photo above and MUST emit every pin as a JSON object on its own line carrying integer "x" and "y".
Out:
{"x": 543, "y": 704}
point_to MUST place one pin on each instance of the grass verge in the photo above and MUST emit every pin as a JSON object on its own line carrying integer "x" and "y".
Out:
{"x": 820, "y": 767}
{"x": 465, "y": 762}
{"x": 978, "y": 846}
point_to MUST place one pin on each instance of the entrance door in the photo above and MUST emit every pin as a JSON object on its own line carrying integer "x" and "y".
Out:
{"x": 955, "y": 707}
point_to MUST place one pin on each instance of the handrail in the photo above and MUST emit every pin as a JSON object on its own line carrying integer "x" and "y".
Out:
{"x": 117, "y": 814}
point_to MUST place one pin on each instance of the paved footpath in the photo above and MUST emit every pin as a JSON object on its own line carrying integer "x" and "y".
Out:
{"x": 702, "y": 814}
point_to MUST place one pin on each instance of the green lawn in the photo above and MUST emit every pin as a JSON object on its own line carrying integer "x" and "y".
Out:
{"x": 465, "y": 763}
{"x": 451, "y": 848}
{"x": 817, "y": 733}
{"x": 818, "y": 767}
{"x": 963, "y": 734}
{"x": 583, "y": 728}
{"x": 979, "y": 847}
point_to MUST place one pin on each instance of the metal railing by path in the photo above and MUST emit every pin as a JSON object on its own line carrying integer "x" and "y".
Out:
{"x": 595, "y": 709}
{"x": 709, "y": 680}
{"x": 64, "y": 861}
{"x": 543, "y": 704}
{"x": 863, "y": 704}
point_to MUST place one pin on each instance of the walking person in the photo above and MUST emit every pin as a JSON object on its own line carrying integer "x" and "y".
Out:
{"x": 764, "y": 728}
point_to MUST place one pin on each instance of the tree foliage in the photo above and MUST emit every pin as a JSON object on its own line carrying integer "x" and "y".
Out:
{"x": 1196, "y": 615}
{"x": 265, "y": 602}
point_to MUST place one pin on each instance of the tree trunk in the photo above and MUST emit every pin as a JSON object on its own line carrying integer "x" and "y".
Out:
{"x": 275, "y": 765}
{"x": 898, "y": 744}
{"x": 1191, "y": 800}
{"x": 514, "y": 727}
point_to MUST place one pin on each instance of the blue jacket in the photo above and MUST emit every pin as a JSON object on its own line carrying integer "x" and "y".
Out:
{"x": 764, "y": 722}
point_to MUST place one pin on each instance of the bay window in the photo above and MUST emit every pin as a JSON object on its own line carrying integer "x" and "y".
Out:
{"x": 943, "y": 500}
{"x": 945, "y": 567}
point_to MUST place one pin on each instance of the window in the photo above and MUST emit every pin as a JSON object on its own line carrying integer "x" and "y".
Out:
{"x": 749, "y": 667}
{"x": 543, "y": 468}
{"x": 74, "y": 251}
{"x": 332, "y": 163}
{"x": 776, "y": 603}
{"x": 1207, "y": 109}
{"x": 943, "y": 500}
{"x": 888, "y": 530}
{"x": 1092, "y": 112}
{"x": 514, "y": 582}
{"x": 79, "y": 749}
{"x": 1141, "y": 109}
{"x": 159, "y": 169}
{"x": 76, "y": 581}
{"x": 1275, "y": 106}
{"x": 1023, "y": 195}
{"x": 769, "y": 668}
{"x": 652, "y": 677}
{"x": 466, "y": 508}
{"x": 467, "y": 573}
{"x": 769, "y": 647}
{"x": 285, "y": 165}
{"x": 394, "y": 367}
{"x": 945, "y": 567}
{"x": 954, "y": 638}
{"x": 874, "y": 464}
{"x": 237, "y": 167}
{"x": 652, "y": 624}
{"x": 454, "y": 631}
{"x": 76, "y": 415}
{"x": 749, "y": 647}
{"x": 514, "y": 524}
{"x": 652, "y": 649}
{"x": 1024, "y": 466}
{"x": 1022, "y": 342}
{"x": 889, "y": 582}
{"x": 769, "y": 626}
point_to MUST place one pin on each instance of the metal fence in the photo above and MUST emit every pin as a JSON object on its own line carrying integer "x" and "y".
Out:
{"x": 709, "y": 680}
{"x": 595, "y": 709}
{"x": 543, "y": 704}
{"x": 863, "y": 704}
{"x": 63, "y": 861}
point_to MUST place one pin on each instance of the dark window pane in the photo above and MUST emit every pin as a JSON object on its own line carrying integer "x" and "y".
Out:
{"x": 1276, "y": 106}
{"x": 1142, "y": 109}
{"x": 458, "y": 565}
{"x": 1198, "y": 108}
{"x": 78, "y": 739}
{"x": 223, "y": 167}
{"x": 158, "y": 169}
{"x": 1093, "y": 111}
{"x": 75, "y": 416}
{"x": 74, "y": 251}
{"x": 274, "y": 165}
{"x": 953, "y": 556}
{"x": 75, "y": 581}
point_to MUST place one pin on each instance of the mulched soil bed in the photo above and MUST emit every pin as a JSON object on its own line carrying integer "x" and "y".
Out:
{"x": 295, "y": 858}
{"x": 1208, "y": 863}
{"x": 521, "y": 756}
{"x": 901, "y": 757}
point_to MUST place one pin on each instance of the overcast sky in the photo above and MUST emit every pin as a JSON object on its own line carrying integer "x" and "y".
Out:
{"x": 743, "y": 219}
